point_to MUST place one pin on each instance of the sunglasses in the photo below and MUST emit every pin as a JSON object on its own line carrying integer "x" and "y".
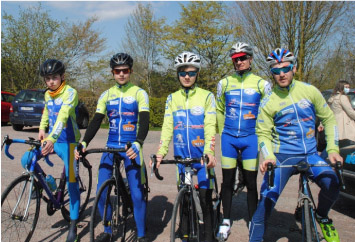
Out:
{"x": 277, "y": 71}
{"x": 241, "y": 58}
{"x": 118, "y": 71}
{"x": 190, "y": 73}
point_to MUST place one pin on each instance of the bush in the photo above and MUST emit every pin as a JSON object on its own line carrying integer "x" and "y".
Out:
{"x": 157, "y": 110}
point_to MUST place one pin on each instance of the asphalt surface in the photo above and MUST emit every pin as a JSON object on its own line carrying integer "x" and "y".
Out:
{"x": 281, "y": 226}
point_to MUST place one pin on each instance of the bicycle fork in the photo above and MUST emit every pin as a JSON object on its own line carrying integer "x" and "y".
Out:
{"x": 23, "y": 217}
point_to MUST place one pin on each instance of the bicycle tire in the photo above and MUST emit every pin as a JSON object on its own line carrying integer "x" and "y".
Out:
{"x": 85, "y": 174}
{"x": 18, "y": 229}
{"x": 308, "y": 229}
{"x": 119, "y": 214}
{"x": 175, "y": 233}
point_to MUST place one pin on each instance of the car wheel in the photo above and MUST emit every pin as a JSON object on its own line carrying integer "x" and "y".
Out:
{"x": 85, "y": 123}
{"x": 17, "y": 127}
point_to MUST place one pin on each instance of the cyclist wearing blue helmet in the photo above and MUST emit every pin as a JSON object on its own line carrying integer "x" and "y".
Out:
{"x": 285, "y": 129}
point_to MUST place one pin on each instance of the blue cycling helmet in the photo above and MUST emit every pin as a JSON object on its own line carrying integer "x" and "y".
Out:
{"x": 280, "y": 55}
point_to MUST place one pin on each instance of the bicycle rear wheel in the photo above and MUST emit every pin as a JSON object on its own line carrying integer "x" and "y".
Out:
{"x": 113, "y": 201}
{"x": 16, "y": 224}
{"x": 85, "y": 184}
{"x": 309, "y": 233}
{"x": 184, "y": 222}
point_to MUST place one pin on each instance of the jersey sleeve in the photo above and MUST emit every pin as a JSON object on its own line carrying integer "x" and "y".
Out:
{"x": 101, "y": 103}
{"x": 267, "y": 89}
{"x": 327, "y": 118}
{"x": 143, "y": 101}
{"x": 70, "y": 101}
{"x": 220, "y": 106}
{"x": 167, "y": 129}
{"x": 210, "y": 124}
{"x": 45, "y": 119}
{"x": 263, "y": 129}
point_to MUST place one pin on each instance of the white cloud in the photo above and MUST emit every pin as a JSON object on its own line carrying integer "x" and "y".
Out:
{"x": 105, "y": 10}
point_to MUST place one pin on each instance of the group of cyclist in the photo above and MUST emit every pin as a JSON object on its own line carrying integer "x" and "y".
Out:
{"x": 251, "y": 117}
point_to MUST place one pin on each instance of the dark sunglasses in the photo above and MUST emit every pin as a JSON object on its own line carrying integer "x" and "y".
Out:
{"x": 190, "y": 73}
{"x": 277, "y": 71}
{"x": 118, "y": 71}
{"x": 241, "y": 58}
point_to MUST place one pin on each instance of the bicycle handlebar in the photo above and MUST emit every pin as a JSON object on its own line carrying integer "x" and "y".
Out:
{"x": 178, "y": 160}
{"x": 31, "y": 141}
{"x": 106, "y": 150}
{"x": 304, "y": 166}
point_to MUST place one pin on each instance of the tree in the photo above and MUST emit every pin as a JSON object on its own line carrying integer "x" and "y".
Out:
{"x": 35, "y": 37}
{"x": 205, "y": 29}
{"x": 142, "y": 41}
{"x": 302, "y": 27}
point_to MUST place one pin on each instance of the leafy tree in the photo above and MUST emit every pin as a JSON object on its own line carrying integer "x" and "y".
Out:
{"x": 35, "y": 37}
{"x": 204, "y": 28}
{"x": 142, "y": 41}
{"x": 303, "y": 27}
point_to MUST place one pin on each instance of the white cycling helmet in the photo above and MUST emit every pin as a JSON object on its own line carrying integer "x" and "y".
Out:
{"x": 280, "y": 55}
{"x": 239, "y": 48}
{"x": 187, "y": 59}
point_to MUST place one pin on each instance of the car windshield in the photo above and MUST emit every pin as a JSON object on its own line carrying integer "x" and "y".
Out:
{"x": 30, "y": 96}
{"x": 6, "y": 97}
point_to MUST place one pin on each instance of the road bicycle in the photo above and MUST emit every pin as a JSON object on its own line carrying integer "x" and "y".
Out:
{"x": 20, "y": 201}
{"x": 187, "y": 201}
{"x": 305, "y": 199}
{"x": 118, "y": 198}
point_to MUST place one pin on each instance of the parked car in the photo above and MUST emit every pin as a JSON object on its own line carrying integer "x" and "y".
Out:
{"x": 6, "y": 99}
{"x": 349, "y": 173}
{"x": 327, "y": 93}
{"x": 27, "y": 109}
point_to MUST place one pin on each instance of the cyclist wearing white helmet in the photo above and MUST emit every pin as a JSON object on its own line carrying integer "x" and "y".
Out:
{"x": 285, "y": 129}
{"x": 238, "y": 99}
{"x": 190, "y": 118}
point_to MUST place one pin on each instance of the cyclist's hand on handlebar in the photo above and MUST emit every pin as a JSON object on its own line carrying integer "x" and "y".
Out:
{"x": 263, "y": 165}
{"x": 211, "y": 161}
{"x": 334, "y": 157}
{"x": 159, "y": 158}
{"x": 41, "y": 134}
{"x": 48, "y": 148}
{"x": 76, "y": 153}
{"x": 133, "y": 152}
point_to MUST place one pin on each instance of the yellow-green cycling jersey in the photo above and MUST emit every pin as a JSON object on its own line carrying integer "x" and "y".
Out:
{"x": 190, "y": 116}
{"x": 60, "y": 114}
{"x": 286, "y": 121}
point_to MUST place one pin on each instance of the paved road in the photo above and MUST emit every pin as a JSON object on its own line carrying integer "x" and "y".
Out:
{"x": 282, "y": 226}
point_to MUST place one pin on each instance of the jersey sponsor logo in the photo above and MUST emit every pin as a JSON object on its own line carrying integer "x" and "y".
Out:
{"x": 179, "y": 107}
{"x": 249, "y": 104}
{"x": 145, "y": 108}
{"x": 284, "y": 112}
{"x": 113, "y": 112}
{"x": 128, "y": 113}
{"x": 249, "y": 91}
{"x": 282, "y": 104}
{"x": 232, "y": 113}
{"x": 304, "y": 103}
{"x": 113, "y": 123}
{"x": 260, "y": 120}
{"x": 264, "y": 150}
{"x": 249, "y": 116}
{"x": 50, "y": 103}
{"x": 179, "y": 125}
{"x": 237, "y": 93}
{"x": 198, "y": 126}
{"x": 58, "y": 101}
{"x": 71, "y": 95}
{"x": 198, "y": 142}
{"x": 213, "y": 101}
{"x": 58, "y": 129}
{"x": 233, "y": 101}
{"x": 179, "y": 138}
{"x": 310, "y": 133}
{"x": 180, "y": 114}
{"x": 113, "y": 95}
{"x": 128, "y": 127}
{"x": 197, "y": 110}
{"x": 267, "y": 87}
{"x": 128, "y": 100}
{"x": 291, "y": 132}
{"x": 103, "y": 94}
{"x": 146, "y": 98}
{"x": 115, "y": 102}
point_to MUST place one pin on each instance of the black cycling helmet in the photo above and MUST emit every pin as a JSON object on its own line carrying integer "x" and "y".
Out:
{"x": 51, "y": 67}
{"x": 121, "y": 59}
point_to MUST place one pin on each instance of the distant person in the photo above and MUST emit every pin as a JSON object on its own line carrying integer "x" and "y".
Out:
{"x": 344, "y": 113}
{"x": 59, "y": 114}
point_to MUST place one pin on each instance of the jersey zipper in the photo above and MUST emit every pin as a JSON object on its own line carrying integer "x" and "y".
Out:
{"x": 120, "y": 115}
{"x": 299, "y": 123}
{"x": 187, "y": 121}
{"x": 240, "y": 107}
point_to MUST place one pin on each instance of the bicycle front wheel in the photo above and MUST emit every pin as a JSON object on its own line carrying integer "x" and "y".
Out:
{"x": 112, "y": 213}
{"x": 184, "y": 222}
{"x": 308, "y": 231}
{"x": 20, "y": 209}
{"x": 85, "y": 183}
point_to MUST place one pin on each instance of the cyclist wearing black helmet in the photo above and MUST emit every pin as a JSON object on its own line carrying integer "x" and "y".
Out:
{"x": 60, "y": 115}
{"x": 127, "y": 108}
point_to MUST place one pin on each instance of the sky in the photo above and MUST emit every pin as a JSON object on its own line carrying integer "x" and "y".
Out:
{"x": 113, "y": 15}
